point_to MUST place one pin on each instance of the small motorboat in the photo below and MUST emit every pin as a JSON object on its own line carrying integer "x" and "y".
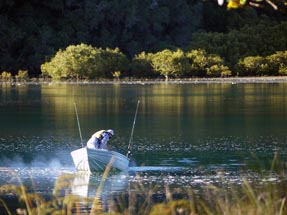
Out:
{"x": 95, "y": 160}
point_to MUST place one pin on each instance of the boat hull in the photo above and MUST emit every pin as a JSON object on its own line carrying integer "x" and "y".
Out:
{"x": 94, "y": 160}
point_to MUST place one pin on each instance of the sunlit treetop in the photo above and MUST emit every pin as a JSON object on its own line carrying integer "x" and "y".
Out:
{"x": 280, "y": 5}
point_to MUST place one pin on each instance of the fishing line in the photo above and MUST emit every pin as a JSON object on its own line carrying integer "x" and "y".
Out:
{"x": 78, "y": 123}
{"x": 130, "y": 141}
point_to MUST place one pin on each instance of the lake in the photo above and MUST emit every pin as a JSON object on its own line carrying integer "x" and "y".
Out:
{"x": 186, "y": 134}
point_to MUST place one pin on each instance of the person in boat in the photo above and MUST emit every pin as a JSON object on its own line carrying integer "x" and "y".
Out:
{"x": 99, "y": 139}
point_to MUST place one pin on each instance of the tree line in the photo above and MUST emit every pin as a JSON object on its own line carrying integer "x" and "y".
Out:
{"x": 32, "y": 32}
{"x": 84, "y": 62}
{"x": 87, "y": 62}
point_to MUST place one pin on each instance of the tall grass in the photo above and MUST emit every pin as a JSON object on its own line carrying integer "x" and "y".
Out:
{"x": 248, "y": 198}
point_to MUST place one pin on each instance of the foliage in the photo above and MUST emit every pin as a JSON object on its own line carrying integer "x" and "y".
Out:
{"x": 54, "y": 67}
{"x": 112, "y": 60}
{"x": 117, "y": 74}
{"x": 278, "y": 63}
{"x": 247, "y": 198}
{"x": 203, "y": 64}
{"x": 33, "y": 31}
{"x": 6, "y": 76}
{"x": 253, "y": 66}
{"x": 233, "y": 4}
{"x": 271, "y": 4}
{"x": 149, "y": 28}
{"x": 172, "y": 207}
{"x": 257, "y": 39}
{"x": 141, "y": 65}
{"x": 274, "y": 64}
{"x": 218, "y": 71}
{"x": 22, "y": 75}
{"x": 79, "y": 61}
{"x": 170, "y": 63}
{"x": 85, "y": 62}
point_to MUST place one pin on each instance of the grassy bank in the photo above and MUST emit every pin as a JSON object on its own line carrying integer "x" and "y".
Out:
{"x": 245, "y": 199}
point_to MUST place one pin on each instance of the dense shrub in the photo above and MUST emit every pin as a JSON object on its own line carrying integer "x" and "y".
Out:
{"x": 85, "y": 62}
{"x": 22, "y": 75}
{"x": 170, "y": 63}
{"x": 203, "y": 64}
{"x": 141, "y": 66}
{"x": 6, "y": 76}
{"x": 112, "y": 60}
{"x": 277, "y": 63}
{"x": 253, "y": 66}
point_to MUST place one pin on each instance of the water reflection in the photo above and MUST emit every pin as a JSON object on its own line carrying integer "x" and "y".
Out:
{"x": 100, "y": 190}
{"x": 91, "y": 185}
{"x": 189, "y": 110}
{"x": 124, "y": 191}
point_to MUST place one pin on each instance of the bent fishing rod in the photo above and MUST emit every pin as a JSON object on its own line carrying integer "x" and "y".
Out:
{"x": 131, "y": 137}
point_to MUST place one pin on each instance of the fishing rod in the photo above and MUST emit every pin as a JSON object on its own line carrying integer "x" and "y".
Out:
{"x": 78, "y": 123}
{"x": 131, "y": 137}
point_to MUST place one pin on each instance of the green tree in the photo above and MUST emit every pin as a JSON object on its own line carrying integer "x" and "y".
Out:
{"x": 218, "y": 70}
{"x": 277, "y": 63}
{"x": 198, "y": 62}
{"x": 215, "y": 66}
{"x": 55, "y": 67}
{"x": 141, "y": 66}
{"x": 85, "y": 62}
{"x": 80, "y": 61}
{"x": 33, "y": 31}
{"x": 22, "y": 75}
{"x": 76, "y": 62}
{"x": 170, "y": 63}
{"x": 116, "y": 75}
{"x": 253, "y": 66}
{"x": 113, "y": 60}
{"x": 6, "y": 76}
{"x": 260, "y": 38}
{"x": 204, "y": 64}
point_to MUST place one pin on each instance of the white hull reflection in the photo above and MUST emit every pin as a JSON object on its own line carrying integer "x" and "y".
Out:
{"x": 89, "y": 186}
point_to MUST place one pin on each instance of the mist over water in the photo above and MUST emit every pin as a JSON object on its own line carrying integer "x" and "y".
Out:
{"x": 49, "y": 151}
{"x": 215, "y": 161}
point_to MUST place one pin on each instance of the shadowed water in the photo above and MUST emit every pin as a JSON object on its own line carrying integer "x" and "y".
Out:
{"x": 186, "y": 135}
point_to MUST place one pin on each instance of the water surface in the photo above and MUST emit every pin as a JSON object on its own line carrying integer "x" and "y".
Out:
{"x": 185, "y": 134}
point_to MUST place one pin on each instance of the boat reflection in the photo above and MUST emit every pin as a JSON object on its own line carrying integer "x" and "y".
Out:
{"x": 97, "y": 191}
{"x": 86, "y": 184}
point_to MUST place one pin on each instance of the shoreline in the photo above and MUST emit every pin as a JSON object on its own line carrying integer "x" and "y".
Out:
{"x": 231, "y": 80}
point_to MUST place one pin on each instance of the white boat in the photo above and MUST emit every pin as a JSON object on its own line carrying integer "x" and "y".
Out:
{"x": 95, "y": 160}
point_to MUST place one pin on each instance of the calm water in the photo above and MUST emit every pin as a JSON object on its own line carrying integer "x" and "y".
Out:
{"x": 184, "y": 133}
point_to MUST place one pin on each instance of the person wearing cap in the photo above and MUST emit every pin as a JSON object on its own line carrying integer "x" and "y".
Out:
{"x": 99, "y": 139}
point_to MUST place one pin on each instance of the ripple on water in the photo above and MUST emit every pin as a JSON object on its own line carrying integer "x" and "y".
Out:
{"x": 199, "y": 163}
{"x": 266, "y": 144}
{"x": 139, "y": 179}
